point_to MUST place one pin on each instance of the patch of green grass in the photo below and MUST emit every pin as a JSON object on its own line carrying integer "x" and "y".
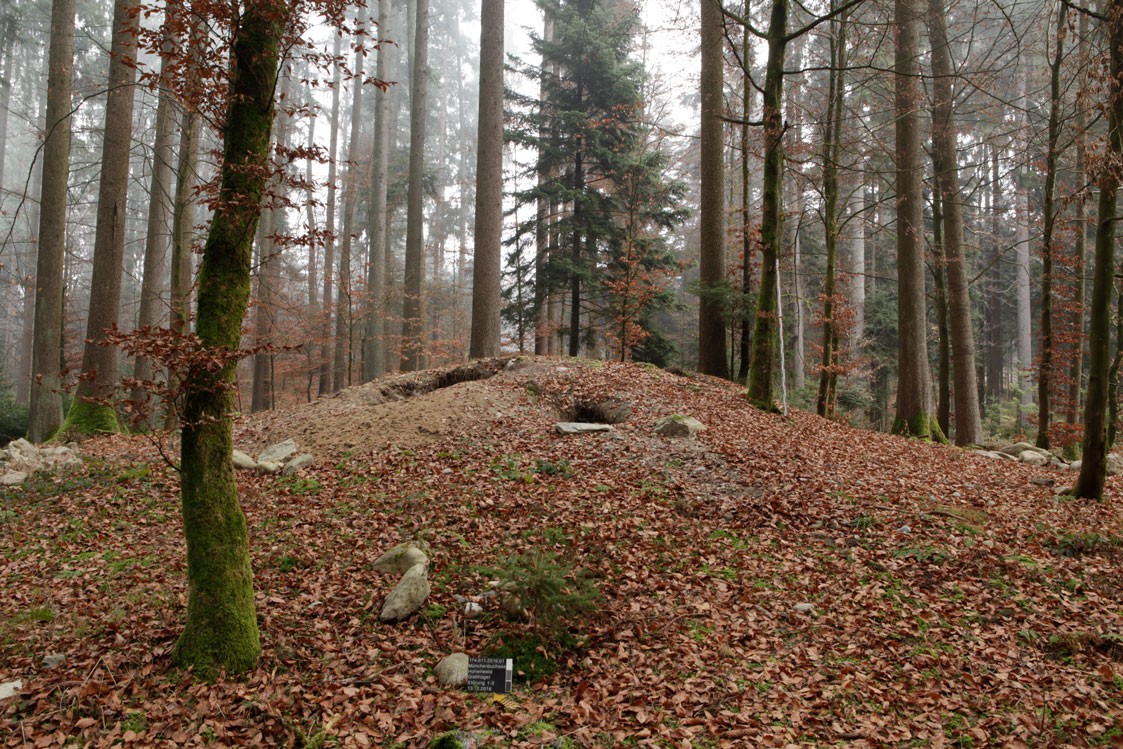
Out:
{"x": 560, "y": 468}
{"x": 299, "y": 486}
{"x": 136, "y": 722}
{"x": 288, "y": 563}
{"x": 925, "y": 554}
{"x": 698, "y": 630}
{"x": 1081, "y": 544}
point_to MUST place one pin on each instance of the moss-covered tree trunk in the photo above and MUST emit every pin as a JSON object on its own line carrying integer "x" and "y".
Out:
{"x": 1093, "y": 469}
{"x": 761, "y": 366}
{"x": 221, "y": 630}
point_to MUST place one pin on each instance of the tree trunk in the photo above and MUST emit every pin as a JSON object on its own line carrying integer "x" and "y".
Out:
{"x": 327, "y": 347}
{"x": 857, "y": 226}
{"x": 1080, "y": 248}
{"x": 748, "y": 308}
{"x": 995, "y": 341}
{"x": 711, "y": 213}
{"x": 828, "y": 370}
{"x": 943, "y": 344}
{"x": 261, "y": 397}
{"x": 157, "y": 237}
{"x": 771, "y": 212}
{"x": 968, "y": 421}
{"x": 489, "y": 187}
{"x": 373, "y": 345}
{"x": 1093, "y": 469}
{"x": 914, "y": 405}
{"x": 99, "y": 363}
{"x": 1021, "y": 248}
{"x": 1045, "y": 370}
{"x": 45, "y": 411}
{"x": 221, "y": 628}
{"x": 345, "y": 308}
{"x": 412, "y": 308}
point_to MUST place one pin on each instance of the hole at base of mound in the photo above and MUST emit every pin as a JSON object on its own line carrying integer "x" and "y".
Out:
{"x": 604, "y": 411}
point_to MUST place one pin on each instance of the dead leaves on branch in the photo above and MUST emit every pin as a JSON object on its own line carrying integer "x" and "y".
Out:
{"x": 772, "y": 583}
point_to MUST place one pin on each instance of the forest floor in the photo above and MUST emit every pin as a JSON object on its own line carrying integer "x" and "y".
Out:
{"x": 953, "y": 600}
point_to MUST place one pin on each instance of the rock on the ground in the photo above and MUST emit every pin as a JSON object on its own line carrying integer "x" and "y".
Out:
{"x": 244, "y": 461}
{"x": 1114, "y": 464}
{"x": 1033, "y": 458}
{"x": 678, "y": 426}
{"x": 452, "y": 671}
{"x": 11, "y": 478}
{"x": 803, "y": 608}
{"x": 277, "y": 453}
{"x": 268, "y": 467}
{"x": 408, "y": 596}
{"x": 53, "y": 660}
{"x": 401, "y": 558}
{"x": 10, "y": 688}
{"x": 297, "y": 463}
{"x": 1018, "y": 448}
{"x": 579, "y": 427}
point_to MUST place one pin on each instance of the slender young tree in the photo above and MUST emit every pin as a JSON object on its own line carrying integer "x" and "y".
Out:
{"x": 489, "y": 186}
{"x": 345, "y": 308}
{"x": 412, "y": 355}
{"x": 89, "y": 412}
{"x": 327, "y": 347}
{"x": 45, "y": 412}
{"x": 221, "y": 627}
{"x": 1048, "y": 238}
{"x": 373, "y": 347}
{"x": 711, "y": 215}
{"x": 828, "y": 370}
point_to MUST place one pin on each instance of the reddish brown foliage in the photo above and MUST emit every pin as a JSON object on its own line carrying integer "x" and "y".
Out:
{"x": 946, "y": 611}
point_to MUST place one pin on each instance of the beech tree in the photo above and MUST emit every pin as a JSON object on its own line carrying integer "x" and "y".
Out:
{"x": 412, "y": 354}
{"x": 221, "y": 627}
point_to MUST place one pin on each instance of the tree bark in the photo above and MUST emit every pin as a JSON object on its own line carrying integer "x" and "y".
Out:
{"x": 771, "y": 212}
{"x": 968, "y": 420}
{"x": 484, "y": 340}
{"x": 158, "y": 235}
{"x": 344, "y": 312}
{"x": 373, "y": 345}
{"x": 1021, "y": 248}
{"x": 1080, "y": 248}
{"x": 1049, "y": 208}
{"x": 412, "y": 354}
{"x": 327, "y": 340}
{"x": 828, "y": 369}
{"x": 99, "y": 363}
{"x": 1093, "y": 469}
{"x": 711, "y": 213}
{"x": 45, "y": 411}
{"x": 221, "y": 628}
{"x": 914, "y": 400}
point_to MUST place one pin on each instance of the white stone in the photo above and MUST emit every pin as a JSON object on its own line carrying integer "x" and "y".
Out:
{"x": 678, "y": 426}
{"x": 408, "y": 596}
{"x": 472, "y": 610}
{"x": 452, "y": 671}
{"x": 297, "y": 463}
{"x": 268, "y": 467}
{"x": 11, "y": 478}
{"x": 10, "y": 689}
{"x": 1033, "y": 458}
{"x": 244, "y": 461}
{"x": 578, "y": 427}
{"x": 803, "y": 608}
{"x": 277, "y": 453}
{"x": 401, "y": 558}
